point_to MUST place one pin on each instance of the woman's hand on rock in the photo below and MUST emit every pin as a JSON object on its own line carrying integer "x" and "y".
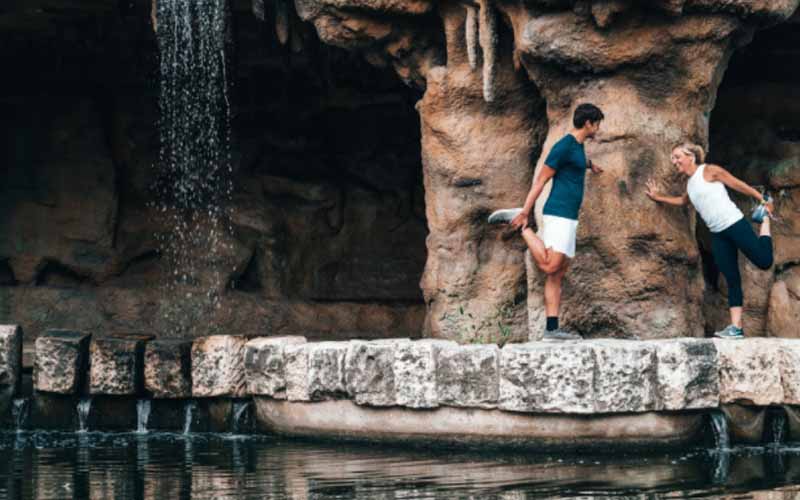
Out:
{"x": 652, "y": 190}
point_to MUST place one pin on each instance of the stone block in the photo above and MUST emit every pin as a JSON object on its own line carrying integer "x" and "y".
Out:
{"x": 625, "y": 377}
{"x": 469, "y": 376}
{"x": 790, "y": 370}
{"x": 687, "y": 375}
{"x": 264, "y": 365}
{"x": 10, "y": 365}
{"x": 415, "y": 372}
{"x": 296, "y": 369}
{"x": 326, "y": 370}
{"x": 168, "y": 368}
{"x": 61, "y": 363}
{"x": 547, "y": 378}
{"x": 116, "y": 364}
{"x": 749, "y": 371}
{"x": 218, "y": 366}
{"x": 369, "y": 371}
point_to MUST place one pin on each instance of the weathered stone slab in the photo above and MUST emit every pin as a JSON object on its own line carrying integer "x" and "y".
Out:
{"x": 61, "y": 361}
{"x": 790, "y": 370}
{"x": 369, "y": 371}
{"x": 10, "y": 365}
{"x": 415, "y": 372}
{"x": 687, "y": 375}
{"x": 625, "y": 377}
{"x": 326, "y": 370}
{"x": 296, "y": 369}
{"x": 749, "y": 371}
{"x": 168, "y": 368}
{"x": 218, "y": 366}
{"x": 116, "y": 364}
{"x": 469, "y": 375}
{"x": 547, "y": 378}
{"x": 265, "y": 366}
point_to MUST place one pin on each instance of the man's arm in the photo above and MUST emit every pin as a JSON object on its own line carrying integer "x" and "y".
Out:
{"x": 545, "y": 174}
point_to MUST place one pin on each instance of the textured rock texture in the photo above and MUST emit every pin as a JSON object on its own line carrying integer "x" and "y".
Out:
{"x": 369, "y": 371}
{"x": 688, "y": 375}
{"x": 296, "y": 370}
{"x": 790, "y": 371}
{"x": 168, "y": 368}
{"x": 116, "y": 364}
{"x": 468, "y": 376}
{"x": 326, "y": 370}
{"x": 218, "y": 366}
{"x": 750, "y": 371}
{"x": 625, "y": 377}
{"x": 415, "y": 366}
{"x": 62, "y": 358}
{"x": 264, "y": 365}
{"x": 10, "y": 365}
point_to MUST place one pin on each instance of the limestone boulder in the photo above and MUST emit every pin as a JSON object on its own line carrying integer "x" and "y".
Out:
{"x": 468, "y": 375}
{"x": 218, "y": 366}
{"x": 687, "y": 376}
{"x": 296, "y": 371}
{"x": 749, "y": 371}
{"x": 369, "y": 371}
{"x": 116, "y": 364}
{"x": 547, "y": 378}
{"x": 10, "y": 365}
{"x": 61, "y": 362}
{"x": 264, "y": 365}
{"x": 168, "y": 368}
{"x": 415, "y": 367}
{"x": 326, "y": 370}
{"x": 790, "y": 370}
{"x": 625, "y": 377}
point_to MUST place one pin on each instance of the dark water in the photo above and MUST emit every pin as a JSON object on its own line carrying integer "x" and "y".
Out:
{"x": 120, "y": 466}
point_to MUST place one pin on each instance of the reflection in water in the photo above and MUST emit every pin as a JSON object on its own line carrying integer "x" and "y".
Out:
{"x": 173, "y": 466}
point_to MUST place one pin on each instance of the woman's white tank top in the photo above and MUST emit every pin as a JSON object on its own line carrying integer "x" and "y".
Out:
{"x": 712, "y": 202}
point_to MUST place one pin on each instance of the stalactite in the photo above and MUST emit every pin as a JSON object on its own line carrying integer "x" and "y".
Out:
{"x": 282, "y": 21}
{"x": 488, "y": 39}
{"x": 471, "y": 35}
{"x": 258, "y": 10}
{"x": 154, "y": 16}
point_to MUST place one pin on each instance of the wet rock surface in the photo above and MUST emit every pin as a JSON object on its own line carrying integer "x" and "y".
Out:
{"x": 10, "y": 365}
{"x": 62, "y": 358}
{"x": 116, "y": 364}
{"x": 218, "y": 366}
{"x": 168, "y": 368}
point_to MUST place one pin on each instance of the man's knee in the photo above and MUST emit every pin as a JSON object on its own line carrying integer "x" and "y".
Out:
{"x": 553, "y": 267}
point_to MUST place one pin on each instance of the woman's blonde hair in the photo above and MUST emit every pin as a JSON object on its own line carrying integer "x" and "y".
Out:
{"x": 693, "y": 149}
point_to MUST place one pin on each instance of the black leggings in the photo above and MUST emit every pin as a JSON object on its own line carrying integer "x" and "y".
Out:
{"x": 725, "y": 246}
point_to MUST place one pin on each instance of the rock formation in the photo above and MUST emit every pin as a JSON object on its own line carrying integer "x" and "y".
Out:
{"x": 355, "y": 217}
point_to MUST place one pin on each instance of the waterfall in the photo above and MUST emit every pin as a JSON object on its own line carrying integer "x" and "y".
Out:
{"x": 142, "y": 415}
{"x": 777, "y": 428}
{"x": 194, "y": 167}
{"x": 188, "y": 416}
{"x": 239, "y": 415}
{"x": 84, "y": 406}
{"x": 19, "y": 413}
{"x": 719, "y": 425}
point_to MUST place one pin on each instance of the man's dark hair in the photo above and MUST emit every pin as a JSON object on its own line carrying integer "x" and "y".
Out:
{"x": 585, "y": 112}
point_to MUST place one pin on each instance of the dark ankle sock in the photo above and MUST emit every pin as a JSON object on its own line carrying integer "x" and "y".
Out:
{"x": 552, "y": 323}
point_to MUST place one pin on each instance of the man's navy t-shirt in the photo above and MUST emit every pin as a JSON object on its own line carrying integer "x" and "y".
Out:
{"x": 568, "y": 159}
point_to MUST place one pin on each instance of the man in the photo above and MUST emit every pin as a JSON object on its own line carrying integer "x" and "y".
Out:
{"x": 566, "y": 165}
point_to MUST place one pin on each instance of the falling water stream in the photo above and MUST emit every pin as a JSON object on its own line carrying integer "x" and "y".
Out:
{"x": 239, "y": 415}
{"x": 142, "y": 415}
{"x": 188, "y": 416}
{"x": 19, "y": 413}
{"x": 84, "y": 406}
{"x": 194, "y": 167}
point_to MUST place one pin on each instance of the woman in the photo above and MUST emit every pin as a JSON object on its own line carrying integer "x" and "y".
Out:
{"x": 730, "y": 232}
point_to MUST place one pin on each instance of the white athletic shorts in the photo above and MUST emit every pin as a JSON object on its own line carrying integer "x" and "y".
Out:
{"x": 559, "y": 233}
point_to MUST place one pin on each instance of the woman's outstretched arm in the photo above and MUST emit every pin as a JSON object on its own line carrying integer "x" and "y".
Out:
{"x": 652, "y": 192}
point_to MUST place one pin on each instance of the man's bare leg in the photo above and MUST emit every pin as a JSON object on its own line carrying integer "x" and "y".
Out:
{"x": 536, "y": 246}
{"x": 552, "y": 289}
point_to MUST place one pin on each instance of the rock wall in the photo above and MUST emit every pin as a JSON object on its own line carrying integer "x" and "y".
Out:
{"x": 339, "y": 184}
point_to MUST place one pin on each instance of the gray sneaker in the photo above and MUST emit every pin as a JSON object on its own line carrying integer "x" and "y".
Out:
{"x": 760, "y": 211}
{"x": 560, "y": 335}
{"x": 504, "y": 216}
{"x": 730, "y": 332}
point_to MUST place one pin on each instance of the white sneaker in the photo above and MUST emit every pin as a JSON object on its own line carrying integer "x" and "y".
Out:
{"x": 504, "y": 216}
